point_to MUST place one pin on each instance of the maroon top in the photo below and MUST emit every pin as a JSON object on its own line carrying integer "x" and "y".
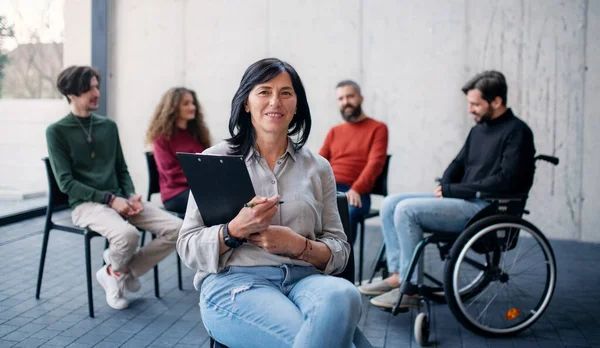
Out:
{"x": 170, "y": 175}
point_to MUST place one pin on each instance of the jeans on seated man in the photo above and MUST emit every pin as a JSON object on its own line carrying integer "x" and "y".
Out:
{"x": 355, "y": 210}
{"x": 87, "y": 161}
{"x": 356, "y": 150}
{"x": 497, "y": 157}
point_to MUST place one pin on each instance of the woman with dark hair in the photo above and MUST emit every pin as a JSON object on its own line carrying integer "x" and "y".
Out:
{"x": 265, "y": 277}
{"x": 177, "y": 126}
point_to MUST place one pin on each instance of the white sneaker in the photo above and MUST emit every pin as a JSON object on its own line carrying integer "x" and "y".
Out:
{"x": 113, "y": 287}
{"x": 132, "y": 283}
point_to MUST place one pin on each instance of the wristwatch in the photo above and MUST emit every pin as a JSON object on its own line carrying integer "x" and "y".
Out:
{"x": 230, "y": 241}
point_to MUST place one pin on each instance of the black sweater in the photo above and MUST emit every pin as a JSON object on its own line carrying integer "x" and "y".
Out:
{"x": 497, "y": 158}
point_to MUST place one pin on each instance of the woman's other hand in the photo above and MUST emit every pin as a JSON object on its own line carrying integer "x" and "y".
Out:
{"x": 254, "y": 219}
{"x": 279, "y": 240}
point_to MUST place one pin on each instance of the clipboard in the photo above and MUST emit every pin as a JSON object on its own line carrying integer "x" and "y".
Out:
{"x": 220, "y": 184}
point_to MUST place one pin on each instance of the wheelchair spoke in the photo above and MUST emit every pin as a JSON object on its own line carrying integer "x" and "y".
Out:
{"x": 512, "y": 237}
{"x": 530, "y": 255}
{"x": 525, "y": 298}
{"x": 508, "y": 299}
{"x": 524, "y": 257}
{"x": 492, "y": 300}
{"x": 476, "y": 264}
{"x": 545, "y": 264}
{"x": 506, "y": 248}
{"x": 516, "y": 257}
{"x": 478, "y": 296}
{"x": 522, "y": 293}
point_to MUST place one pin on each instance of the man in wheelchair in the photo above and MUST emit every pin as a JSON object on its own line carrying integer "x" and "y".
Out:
{"x": 497, "y": 157}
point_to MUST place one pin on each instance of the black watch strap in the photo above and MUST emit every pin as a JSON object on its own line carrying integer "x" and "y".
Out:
{"x": 230, "y": 241}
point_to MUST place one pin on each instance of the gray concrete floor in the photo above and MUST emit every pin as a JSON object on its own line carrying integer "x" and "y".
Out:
{"x": 59, "y": 318}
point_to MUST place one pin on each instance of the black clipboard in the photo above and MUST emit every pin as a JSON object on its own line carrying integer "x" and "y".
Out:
{"x": 220, "y": 184}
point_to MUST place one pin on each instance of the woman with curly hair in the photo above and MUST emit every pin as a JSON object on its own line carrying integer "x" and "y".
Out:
{"x": 177, "y": 126}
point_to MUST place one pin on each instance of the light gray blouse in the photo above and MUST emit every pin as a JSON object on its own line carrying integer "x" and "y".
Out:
{"x": 306, "y": 184}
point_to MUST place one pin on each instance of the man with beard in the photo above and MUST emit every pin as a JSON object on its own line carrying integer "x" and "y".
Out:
{"x": 497, "y": 158}
{"x": 356, "y": 150}
{"x": 88, "y": 164}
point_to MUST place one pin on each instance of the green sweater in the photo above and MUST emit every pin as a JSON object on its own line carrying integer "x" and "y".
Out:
{"x": 81, "y": 177}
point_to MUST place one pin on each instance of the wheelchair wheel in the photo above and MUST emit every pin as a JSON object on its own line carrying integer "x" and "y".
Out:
{"x": 421, "y": 329}
{"x": 433, "y": 285}
{"x": 512, "y": 271}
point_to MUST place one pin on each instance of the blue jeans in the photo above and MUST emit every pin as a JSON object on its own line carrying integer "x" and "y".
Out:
{"x": 404, "y": 217}
{"x": 355, "y": 212}
{"x": 285, "y": 306}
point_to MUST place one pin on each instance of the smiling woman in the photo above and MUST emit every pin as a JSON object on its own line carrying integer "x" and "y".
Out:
{"x": 241, "y": 125}
{"x": 177, "y": 126}
{"x": 273, "y": 106}
{"x": 265, "y": 276}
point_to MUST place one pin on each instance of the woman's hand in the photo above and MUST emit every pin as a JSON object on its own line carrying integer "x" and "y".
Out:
{"x": 255, "y": 219}
{"x": 279, "y": 240}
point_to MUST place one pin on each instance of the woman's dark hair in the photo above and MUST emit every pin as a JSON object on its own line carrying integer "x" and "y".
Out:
{"x": 491, "y": 83}
{"x": 240, "y": 124}
{"x": 76, "y": 80}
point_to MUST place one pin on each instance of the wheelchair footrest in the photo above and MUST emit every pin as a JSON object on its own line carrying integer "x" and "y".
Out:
{"x": 408, "y": 288}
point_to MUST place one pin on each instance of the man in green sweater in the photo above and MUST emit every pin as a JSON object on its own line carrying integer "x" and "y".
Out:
{"x": 88, "y": 163}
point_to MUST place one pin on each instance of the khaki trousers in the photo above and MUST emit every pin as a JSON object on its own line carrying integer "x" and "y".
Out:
{"x": 123, "y": 235}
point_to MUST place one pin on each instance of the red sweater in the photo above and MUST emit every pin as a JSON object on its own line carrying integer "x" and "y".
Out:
{"x": 170, "y": 175}
{"x": 357, "y": 153}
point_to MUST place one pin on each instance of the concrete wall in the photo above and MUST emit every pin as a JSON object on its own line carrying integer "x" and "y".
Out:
{"x": 590, "y": 166}
{"x": 411, "y": 57}
{"x": 78, "y": 33}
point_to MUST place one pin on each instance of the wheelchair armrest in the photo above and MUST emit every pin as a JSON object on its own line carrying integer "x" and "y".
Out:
{"x": 491, "y": 197}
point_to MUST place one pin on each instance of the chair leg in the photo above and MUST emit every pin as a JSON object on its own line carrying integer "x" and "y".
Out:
{"x": 361, "y": 251}
{"x": 378, "y": 264}
{"x": 106, "y": 245}
{"x": 88, "y": 274}
{"x": 42, "y": 260}
{"x": 156, "y": 286}
{"x": 179, "y": 271}
{"x": 143, "y": 239}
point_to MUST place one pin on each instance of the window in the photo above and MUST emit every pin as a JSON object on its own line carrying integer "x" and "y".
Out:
{"x": 31, "y": 48}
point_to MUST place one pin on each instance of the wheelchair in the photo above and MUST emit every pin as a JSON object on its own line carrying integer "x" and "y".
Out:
{"x": 499, "y": 274}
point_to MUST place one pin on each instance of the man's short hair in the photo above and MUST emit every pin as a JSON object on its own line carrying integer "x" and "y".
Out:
{"x": 491, "y": 83}
{"x": 345, "y": 83}
{"x": 75, "y": 80}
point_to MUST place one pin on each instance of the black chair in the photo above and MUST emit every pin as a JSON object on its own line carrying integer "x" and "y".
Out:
{"x": 154, "y": 187}
{"x": 57, "y": 201}
{"x": 380, "y": 188}
{"x": 360, "y": 341}
{"x": 380, "y": 264}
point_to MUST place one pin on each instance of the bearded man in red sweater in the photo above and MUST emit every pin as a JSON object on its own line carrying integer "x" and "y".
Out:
{"x": 356, "y": 150}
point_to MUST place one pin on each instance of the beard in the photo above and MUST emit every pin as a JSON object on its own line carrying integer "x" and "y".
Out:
{"x": 485, "y": 117}
{"x": 351, "y": 113}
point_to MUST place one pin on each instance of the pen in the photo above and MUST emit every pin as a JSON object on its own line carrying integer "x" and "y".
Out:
{"x": 252, "y": 205}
